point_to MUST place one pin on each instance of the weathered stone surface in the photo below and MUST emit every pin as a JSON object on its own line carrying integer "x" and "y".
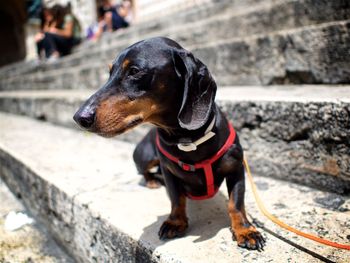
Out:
{"x": 260, "y": 19}
{"x": 56, "y": 107}
{"x": 208, "y": 9}
{"x": 58, "y": 110}
{"x": 318, "y": 54}
{"x": 270, "y": 59}
{"x": 86, "y": 76}
{"x": 289, "y": 131}
{"x": 31, "y": 243}
{"x": 87, "y": 191}
{"x": 65, "y": 217}
{"x": 295, "y": 142}
{"x": 295, "y": 137}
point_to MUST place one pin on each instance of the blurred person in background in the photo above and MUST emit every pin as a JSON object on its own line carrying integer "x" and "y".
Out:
{"x": 46, "y": 19}
{"x": 60, "y": 32}
{"x": 112, "y": 18}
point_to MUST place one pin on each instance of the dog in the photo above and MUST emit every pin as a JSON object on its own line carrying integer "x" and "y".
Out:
{"x": 193, "y": 145}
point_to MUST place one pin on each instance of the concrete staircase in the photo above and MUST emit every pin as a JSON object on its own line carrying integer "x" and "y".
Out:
{"x": 289, "y": 131}
{"x": 86, "y": 190}
{"x": 95, "y": 206}
{"x": 269, "y": 42}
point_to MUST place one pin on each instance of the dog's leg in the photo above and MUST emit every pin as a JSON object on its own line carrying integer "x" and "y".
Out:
{"x": 244, "y": 232}
{"x": 150, "y": 173}
{"x": 177, "y": 222}
{"x": 146, "y": 160}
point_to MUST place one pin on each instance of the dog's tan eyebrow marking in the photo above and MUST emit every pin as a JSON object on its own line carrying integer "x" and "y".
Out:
{"x": 110, "y": 65}
{"x": 125, "y": 63}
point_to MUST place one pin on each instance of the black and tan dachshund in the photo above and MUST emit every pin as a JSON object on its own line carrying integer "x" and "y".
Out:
{"x": 159, "y": 82}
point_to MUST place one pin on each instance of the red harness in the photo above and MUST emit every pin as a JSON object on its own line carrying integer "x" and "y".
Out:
{"x": 206, "y": 164}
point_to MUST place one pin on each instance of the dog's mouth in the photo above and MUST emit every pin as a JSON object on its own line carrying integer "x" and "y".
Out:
{"x": 114, "y": 132}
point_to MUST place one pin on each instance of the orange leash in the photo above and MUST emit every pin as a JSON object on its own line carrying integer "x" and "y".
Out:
{"x": 282, "y": 224}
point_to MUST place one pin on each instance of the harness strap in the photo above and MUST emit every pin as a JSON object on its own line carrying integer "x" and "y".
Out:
{"x": 206, "y": 165}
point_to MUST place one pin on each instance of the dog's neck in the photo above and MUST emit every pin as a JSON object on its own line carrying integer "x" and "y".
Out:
{"x": 189, "y": 146}
{"x": 170, "y": 140}
{"x": 187, "y": 140}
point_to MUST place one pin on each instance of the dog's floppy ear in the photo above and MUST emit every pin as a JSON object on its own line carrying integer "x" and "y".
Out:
{"x": 199, "y": 90}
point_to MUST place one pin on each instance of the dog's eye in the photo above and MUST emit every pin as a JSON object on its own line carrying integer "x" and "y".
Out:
{"x": 133, "y": 71}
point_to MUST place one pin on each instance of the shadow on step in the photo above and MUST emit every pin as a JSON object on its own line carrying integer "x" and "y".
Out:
{"x": 206, "y": 219}
{"x": 289, "y": 242}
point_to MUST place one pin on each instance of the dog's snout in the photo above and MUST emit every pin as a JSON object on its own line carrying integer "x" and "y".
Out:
{"x": 85, "y": 119}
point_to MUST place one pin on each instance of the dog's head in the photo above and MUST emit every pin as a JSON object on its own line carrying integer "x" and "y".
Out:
{"x": 155, "y": 81}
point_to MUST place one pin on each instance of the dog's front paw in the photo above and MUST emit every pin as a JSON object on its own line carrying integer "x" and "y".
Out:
{"x": 172, "y": 228}
{"x": 249, "y": 238}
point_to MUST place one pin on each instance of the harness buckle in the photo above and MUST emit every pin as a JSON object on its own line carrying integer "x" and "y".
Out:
{"x": 186, "y": 167}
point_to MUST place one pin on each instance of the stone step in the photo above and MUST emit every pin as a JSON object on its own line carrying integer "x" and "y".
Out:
{"x": 262, "y": 18}
{"x": 29, "y": 243}
{"x": 86, "y": 190}
{"x": 79, "y": 76}
{"x": 193, "y": 14}
{"x": 150, "y": 9}
{"x": 312, "y": 55}
{"x": 54, "y": 106}
{"x": 202, "y": 10}
{"x": 259, "y": 18}
{"x": 316, "y": 54}
{"x": 289, "y": 130}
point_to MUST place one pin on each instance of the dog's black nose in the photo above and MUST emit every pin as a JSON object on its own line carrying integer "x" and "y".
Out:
{"x": 84, "y": 119}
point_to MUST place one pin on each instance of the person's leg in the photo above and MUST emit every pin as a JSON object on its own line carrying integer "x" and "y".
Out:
{"x": 118, "y": 21}
{"x": 49, "y": 45}
{"x": 39, "y": 41}
{"x": 64, "y": 45}
{"x": 40, "y": 47}
{"x": 57, "y": 45}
